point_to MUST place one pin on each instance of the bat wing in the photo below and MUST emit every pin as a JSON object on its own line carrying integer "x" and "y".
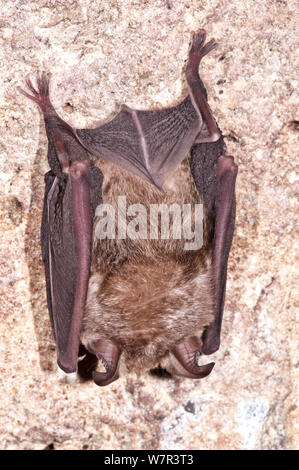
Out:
{"x": 215, "y": 176}
{"x": 69, "y": 205}
{"x": 149, "y": 144}
{"x": 152, "y": 143}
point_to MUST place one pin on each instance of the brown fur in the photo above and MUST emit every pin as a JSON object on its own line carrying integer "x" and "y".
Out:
{"x": 148, "y": 295}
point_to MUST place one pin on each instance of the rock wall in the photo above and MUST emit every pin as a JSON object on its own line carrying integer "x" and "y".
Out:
{"x": 102, "y": 54}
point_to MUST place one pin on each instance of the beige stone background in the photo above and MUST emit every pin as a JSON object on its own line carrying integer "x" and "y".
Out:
{"x": 101, "y": 54}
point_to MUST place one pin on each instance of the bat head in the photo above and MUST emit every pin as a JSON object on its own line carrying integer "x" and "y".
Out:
{"x": 142, "y": 319}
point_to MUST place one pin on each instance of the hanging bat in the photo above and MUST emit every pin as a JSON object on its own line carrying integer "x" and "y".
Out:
{"x": 137, "y": 303}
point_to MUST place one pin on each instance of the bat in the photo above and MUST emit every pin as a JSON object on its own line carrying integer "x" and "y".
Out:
{"x": 138, "y": 302}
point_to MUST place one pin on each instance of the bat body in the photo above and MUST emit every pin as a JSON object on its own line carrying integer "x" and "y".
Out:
{"x": 138, "y": 301}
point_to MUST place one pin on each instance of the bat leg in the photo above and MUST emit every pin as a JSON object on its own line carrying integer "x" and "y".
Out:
{"x": 42, "y": 98}
{"x": 224, "y": 227}
{"x": 209, "y": 131}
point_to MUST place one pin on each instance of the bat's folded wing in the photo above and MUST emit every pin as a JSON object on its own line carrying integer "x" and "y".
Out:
{"x": 66, "y": 231}
{"x": 150, "y": 144}
{"x": 59, "y": 254}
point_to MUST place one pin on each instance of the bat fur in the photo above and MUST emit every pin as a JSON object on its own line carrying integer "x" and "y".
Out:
{"x": 132, "y": 279}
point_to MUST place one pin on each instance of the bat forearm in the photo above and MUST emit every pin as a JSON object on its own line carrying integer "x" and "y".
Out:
{"x": 80, "y": 183}
{"x": 224, "y": 226}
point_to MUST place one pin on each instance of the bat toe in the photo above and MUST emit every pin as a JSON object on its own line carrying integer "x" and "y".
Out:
{"x": 41, "y": 94}
{"x": 199, "y": 49}
{"x": 198, "y": 39}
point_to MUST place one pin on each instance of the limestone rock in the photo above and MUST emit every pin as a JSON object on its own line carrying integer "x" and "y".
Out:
{"x": 102, "y": 54}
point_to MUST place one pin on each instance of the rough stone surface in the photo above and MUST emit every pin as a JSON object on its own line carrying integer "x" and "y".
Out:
{"x": 101, "y": 54}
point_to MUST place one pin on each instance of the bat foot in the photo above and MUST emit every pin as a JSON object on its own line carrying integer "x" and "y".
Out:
{"x": 207, "y": 128}
{"x": 41, "y": 95}
{"x": 198, "y": 50}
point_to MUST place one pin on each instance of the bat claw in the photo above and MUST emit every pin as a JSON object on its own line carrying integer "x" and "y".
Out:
{"x": 101, "y": 378}
{"x": 105, "y": 378}
{"x": 108, "y": 353}
{"x": 198, "y": 38}
{"x": 184, "y": 359}
{"x": 81, "y": 358}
